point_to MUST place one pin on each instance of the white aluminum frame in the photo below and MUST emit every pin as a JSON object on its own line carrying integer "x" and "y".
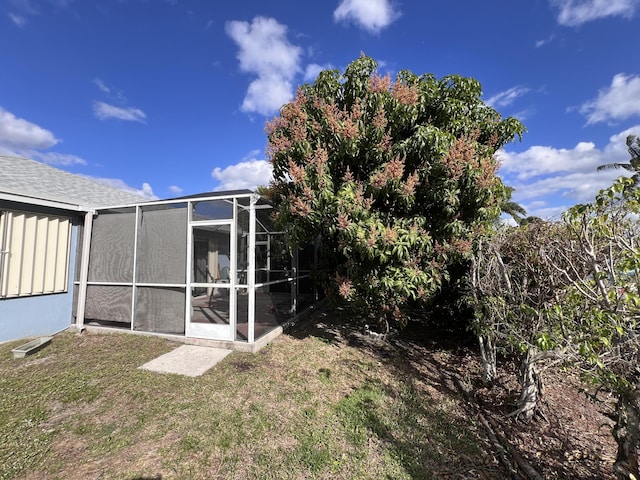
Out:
{"x": 233, "y": 286}
{"x": 215, "y": 332}
{"x": 251, "y": 270}
{"x": 134, "y": 270}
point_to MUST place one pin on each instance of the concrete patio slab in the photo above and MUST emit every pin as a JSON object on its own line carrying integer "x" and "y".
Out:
{"x": 189, "y": 360}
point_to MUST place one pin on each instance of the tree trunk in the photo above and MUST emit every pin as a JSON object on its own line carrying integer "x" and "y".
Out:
{"x": 488, "y": 354}
{"x": 627, "y": 434}
{"x": 531, "y": 387}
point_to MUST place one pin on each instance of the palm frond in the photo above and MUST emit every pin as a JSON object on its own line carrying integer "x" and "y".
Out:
{"x": 633, "y": 145}
{"x": 609, "y": 166}
{"x": 512, "y": 208}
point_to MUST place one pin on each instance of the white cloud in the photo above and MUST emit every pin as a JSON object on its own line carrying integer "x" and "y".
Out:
{"x": 617, "y": 102}
{"x": 113, "y": 95}
{"x": 507, "y": 97}
{"x": 105, "y": 111}
{"x": 25, "y": 6}
{"x": 175, "y": 189}
{"x": 101, "y": 85}
{"x": 547, "y": 180}
{"x": 17, "y": 133}
{"x": 371, "y": 15}
{"x": 312, "y": 71}
{"x": 25, "y": 9}
{"x": 19, "y": 20}
{"x": 251, "y": 155}
{"x": 522, "y": 115}
{"x": 267, "y": 94}
{"x": 549, "y": 213}
{"x": 55, "y": 158}
{"x": 115, "y": 107}
{"x": 265, "y": 52}
{"x": 21, "y": 138}
{"x": 578, "y": 186}
{"x": 145, "y": 191}
{"x": 541, "y": 160}
{"x": 249, "y": 173}
{"x": 544, "y": 41}
{"x": 573, "y": 13}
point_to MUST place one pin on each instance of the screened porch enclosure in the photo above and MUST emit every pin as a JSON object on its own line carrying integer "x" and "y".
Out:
{"x": 207, "y": 266}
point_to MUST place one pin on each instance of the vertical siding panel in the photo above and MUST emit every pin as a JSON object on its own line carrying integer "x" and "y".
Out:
{"x": 29, "y": 236}
{"x": 4, "y": 246}
{"x": 40, "y": 262}
{"x": 61, "y": 260}
{"x": 66, "y": 244}
{"x": 15, "y": 254}
{"x": 39, "y": 253}
{"x": 50, "y": 265}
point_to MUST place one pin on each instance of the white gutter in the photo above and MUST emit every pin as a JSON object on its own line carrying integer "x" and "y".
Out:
{"x": 42, "y": 202}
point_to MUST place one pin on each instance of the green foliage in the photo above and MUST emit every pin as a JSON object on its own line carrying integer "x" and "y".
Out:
{"x": 604, "y": 307}
{"x": 263, "y": 191}
{"x": 396, "y": 177}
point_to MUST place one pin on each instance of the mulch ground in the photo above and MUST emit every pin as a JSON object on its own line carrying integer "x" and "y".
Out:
{"x": 573, "y": 440}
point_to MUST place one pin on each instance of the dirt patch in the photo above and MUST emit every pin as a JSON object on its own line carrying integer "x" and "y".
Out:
{"x": 243, "y": 366}
{"x": 36, "y": 361}
{"x": 62, "y": 412}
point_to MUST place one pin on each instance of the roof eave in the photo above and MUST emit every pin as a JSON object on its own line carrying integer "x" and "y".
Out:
{"x": 43, "y": 202}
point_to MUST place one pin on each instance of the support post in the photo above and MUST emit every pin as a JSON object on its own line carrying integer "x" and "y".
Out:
{"x": 251, "y": 270}
{"x": 84, "y": 270}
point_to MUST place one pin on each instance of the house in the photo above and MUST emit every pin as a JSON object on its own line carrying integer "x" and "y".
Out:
{"x": 207, "y": 268}
{"x": 42, "y": 213}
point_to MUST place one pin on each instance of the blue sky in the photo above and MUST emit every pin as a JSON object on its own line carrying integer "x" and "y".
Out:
{"x": 170, "y": 97}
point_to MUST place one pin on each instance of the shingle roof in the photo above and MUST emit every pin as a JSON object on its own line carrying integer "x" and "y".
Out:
{"x": 27, "y": 177}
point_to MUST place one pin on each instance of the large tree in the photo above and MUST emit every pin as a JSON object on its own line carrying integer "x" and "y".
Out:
{"x": 396, "y": 177}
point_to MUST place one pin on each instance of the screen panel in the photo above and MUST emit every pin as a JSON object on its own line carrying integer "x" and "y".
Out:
{"x": 160, "y": 310}
{"x": 162, "y": 244}
{"x": 112, "y": 242}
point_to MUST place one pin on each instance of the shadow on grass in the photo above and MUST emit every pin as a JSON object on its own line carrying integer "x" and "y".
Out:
{"x": 425, "y": 438}
{"x": 431, "y": 441}
{"x": 544, "y": 444}
{"x": 418, "y": 414}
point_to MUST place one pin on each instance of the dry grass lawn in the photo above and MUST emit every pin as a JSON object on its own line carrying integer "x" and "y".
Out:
{"x": 307, "y": 406}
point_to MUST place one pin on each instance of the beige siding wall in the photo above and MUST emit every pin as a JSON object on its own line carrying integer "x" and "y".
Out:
{"x": 36, "y": 253}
